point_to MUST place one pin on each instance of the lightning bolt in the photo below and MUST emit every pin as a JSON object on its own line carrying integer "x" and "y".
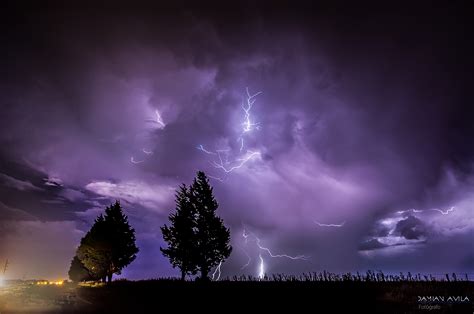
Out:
{"x": 201, "y": 148}
{"x": 215, "y": 178}
{"x": 158, "y": 120}
{"x": 240, "y": 164}
{"x": 248, "y": 124}
{"x": 443, "y": 212}
{"x": 249, "y": 259}
{"x": 330, "y": 225}
{"x": 133, "y": 161}
{"x": 148, "y": 152}
{"x": 261, "y": 272}
{"x": 261, "y": 267}
{"x": 446, "y": 212}
{"x": 217, "y": 271}
{"x": 298, "y": 257}
{"x": 241, "y": 144}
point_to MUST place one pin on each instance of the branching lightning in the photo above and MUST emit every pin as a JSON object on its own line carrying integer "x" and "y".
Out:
{"x": 217, "y": 271}
{"x": 330, "y": 225}
{"x": 241, "y": 162}
{"x": 161, "y": 125}
{"x": 261, "y": 271}
{"x": 158, "y": 120}
{"x": 247, "y": 126}
{"x": 443, "y": 212}
{"x": 298, "y": 257}
{"x": 446, "y": 212}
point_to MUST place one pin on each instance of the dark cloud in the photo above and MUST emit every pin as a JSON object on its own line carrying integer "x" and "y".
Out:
{"x": 411, "y": 228}
{"x": 364, "y": 112}
{"x": 372, "y": 244}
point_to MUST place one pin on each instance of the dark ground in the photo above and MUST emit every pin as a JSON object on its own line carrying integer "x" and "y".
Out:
{"x": 154, "y": 296}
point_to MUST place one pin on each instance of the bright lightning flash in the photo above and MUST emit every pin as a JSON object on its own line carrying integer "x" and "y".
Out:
{"x": 247, "y": 126}
{"x": 261, "y": 268}
{"x": 261, "y": 272}
{"x": 218, "y": 272}
{"x": 241, "y": 161}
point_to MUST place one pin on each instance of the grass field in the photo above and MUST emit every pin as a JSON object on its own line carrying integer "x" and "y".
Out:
{"x": 288, "y": 294}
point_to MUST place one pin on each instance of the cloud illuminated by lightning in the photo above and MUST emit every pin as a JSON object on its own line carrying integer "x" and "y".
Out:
{"x": 247, "y": 126}
{"x": 330, "y": 225}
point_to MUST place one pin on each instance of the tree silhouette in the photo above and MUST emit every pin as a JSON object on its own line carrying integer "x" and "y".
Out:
{"x": 109, "y": 246}
{"x": 197, "y": 238}
{"x": 77, "y": 271}
{"x": 212, "y": 237}
{"x": 180, "y": 235}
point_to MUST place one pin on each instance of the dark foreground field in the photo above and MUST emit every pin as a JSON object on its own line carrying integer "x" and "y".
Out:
{"x": 155, "y": 296}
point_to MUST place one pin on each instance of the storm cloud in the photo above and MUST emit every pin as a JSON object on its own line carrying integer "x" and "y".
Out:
{"x": 363, "y": 116}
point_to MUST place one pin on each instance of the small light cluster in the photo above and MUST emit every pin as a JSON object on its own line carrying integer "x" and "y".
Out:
{"x": 46, "y": 283}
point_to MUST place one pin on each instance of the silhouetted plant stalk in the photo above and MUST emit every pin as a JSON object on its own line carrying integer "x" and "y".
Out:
{"x": 369, "y": 276}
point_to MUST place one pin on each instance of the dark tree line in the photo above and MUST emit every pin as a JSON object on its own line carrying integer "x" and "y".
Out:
{"x": 197, "y": 238}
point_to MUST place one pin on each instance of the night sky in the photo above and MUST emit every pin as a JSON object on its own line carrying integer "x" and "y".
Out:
{"x": 357, "y": 154}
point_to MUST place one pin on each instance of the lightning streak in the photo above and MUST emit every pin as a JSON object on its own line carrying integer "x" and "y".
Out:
{"x": 201, "y": 148}
{"x": 443, "y": 212}
{"x": 249, "y": 259}
{"x": 159, "y": 120}
{"x": 298, "y": 257}
{"x": 217, "y": 271}
{"x": 248, "y": 124}
{"x": 261, "y": 268}
{"x": 242, "y": 161}
{"x": 133, "y": 161}
{"x": 215, "y": 178}
{"x": 148, "y": 152}
{"x": 446, "y": 212}
{"x": 330, "y": 225}
{"x": 261, "y": 272}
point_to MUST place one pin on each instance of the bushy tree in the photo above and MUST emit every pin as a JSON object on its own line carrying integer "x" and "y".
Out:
{"x": 109, "y": 246}
{"x": 197, "y": 238}
{"x": 78, "y": 272}
{"x": 180, "y": 235}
